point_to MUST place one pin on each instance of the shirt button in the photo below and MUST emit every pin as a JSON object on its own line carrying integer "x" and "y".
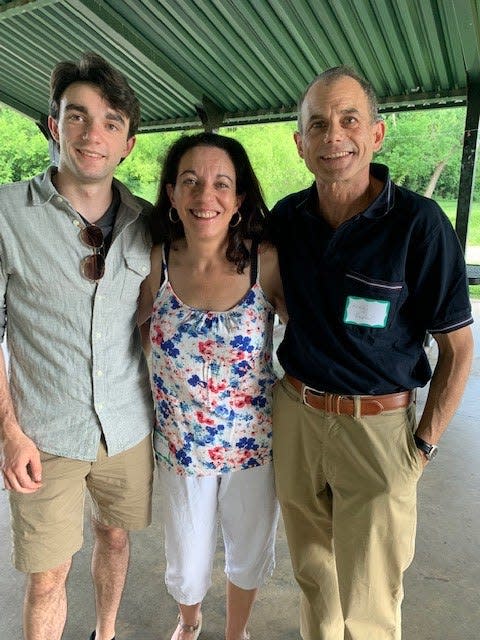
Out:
{"x": 100, "y": 406}
{"x": 144, "y": 269}
{"x": 98, "y": 334}
{"x": 99, "y": 373}
{"x": 76, "y": 223}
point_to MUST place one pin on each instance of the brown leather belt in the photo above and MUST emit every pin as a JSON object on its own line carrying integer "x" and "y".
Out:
{"x": 345, "y": 405}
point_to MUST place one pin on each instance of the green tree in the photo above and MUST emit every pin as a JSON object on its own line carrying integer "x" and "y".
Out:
{"x": 274, "y": 157}
{"x": 423, "y": 149}
{"x": 140, "y": 171}
{"x": 23, "y": 148}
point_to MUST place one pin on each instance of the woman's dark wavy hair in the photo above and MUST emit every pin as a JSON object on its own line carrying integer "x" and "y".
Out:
{"x": 93, "y": 68}
{"x": 253, "y": 209}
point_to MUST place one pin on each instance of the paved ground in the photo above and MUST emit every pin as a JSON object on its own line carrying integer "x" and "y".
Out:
{"x": 441, "y": 602}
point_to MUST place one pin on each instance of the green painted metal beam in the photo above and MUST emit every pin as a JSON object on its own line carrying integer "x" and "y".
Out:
{"x": 467, "y": 14}
{"x": 23, "y": 6}
{"x": 100, "y": 14}
{"x": 22, "y": 108}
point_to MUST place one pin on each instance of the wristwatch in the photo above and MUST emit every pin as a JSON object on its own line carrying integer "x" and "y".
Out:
{"x": 430, "y": 450}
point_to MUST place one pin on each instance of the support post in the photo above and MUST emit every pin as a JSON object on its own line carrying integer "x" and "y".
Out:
{"x": 210, "y": 114}
{"x": 469, "y": 156}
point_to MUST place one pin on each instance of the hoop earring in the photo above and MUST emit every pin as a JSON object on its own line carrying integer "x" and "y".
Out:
{"x": 171, "y": 218}
{"x": 232, "y": 226}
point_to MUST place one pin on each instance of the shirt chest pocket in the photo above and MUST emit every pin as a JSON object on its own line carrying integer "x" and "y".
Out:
{"x": 136, "y": 269}
{"x": 370, "y": 305}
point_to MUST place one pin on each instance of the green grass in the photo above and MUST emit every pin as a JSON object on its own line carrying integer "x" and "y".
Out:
{"x": 473, "y": 235}
{"x": 450, "y": 208}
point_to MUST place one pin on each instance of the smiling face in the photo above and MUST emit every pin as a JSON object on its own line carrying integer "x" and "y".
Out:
{"x": 92, "y": 136}
{"x": 204, "y": 193}
{"x": 338, "y": 137}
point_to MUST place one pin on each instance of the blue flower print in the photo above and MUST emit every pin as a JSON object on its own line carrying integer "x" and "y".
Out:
{"x": 241, "y": 368}
{"x": 249, "y": 298}
{"x": 183, "y": 458}
{"x": 195, "y": 381}
{"x": 242, "y": 343}
{"x": 210, "y": 436}
{"x": 174, "y": 303}
{"x": 170, "y": 349}
{"x": 210, "y": 321}
{"x": 158, "y": 383}
{"x": 225, "y": 413}
{"x": 164, "y": 409}
{"x": 248, "y": 444}
{"x": 259, "y": 401}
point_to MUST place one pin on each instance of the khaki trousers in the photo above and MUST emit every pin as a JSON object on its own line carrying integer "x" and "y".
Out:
{"x": 347, "y": 489}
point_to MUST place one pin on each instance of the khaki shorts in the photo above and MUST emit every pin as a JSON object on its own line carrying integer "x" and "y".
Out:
{"x": 47, "y": 525}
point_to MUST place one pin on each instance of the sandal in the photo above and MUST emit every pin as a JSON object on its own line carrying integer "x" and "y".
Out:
{"x": 190, "y": 628}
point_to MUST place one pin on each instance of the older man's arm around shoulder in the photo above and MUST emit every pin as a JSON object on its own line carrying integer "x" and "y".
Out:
{"x": 20, "y": 458}
{"x": 270, "y": 279}
{"x": 455, "y": 352}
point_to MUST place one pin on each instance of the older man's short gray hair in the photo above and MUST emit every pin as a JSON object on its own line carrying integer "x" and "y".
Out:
{"x": 336, "y": 73}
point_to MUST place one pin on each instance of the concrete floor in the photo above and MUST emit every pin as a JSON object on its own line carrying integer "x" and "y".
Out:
{"x": 442, "y": 599}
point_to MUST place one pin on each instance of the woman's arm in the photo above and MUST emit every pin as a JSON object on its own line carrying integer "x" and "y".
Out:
{"x": 148, "y": 292}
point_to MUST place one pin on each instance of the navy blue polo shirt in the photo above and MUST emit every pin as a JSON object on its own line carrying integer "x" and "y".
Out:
{"x": 361, "y": 297}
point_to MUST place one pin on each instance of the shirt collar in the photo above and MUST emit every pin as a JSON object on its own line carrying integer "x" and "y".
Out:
{"x": 386, "y": 198}
{"x": 42, "y": 190}
{"x": 41, "y": 187}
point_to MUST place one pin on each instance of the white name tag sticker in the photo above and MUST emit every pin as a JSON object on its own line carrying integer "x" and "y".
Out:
{"x": 366, "y": 312}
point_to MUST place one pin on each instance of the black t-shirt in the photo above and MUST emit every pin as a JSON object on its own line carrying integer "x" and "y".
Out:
{"x": 361, "y": 297}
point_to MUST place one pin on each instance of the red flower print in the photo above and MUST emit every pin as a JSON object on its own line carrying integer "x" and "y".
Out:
{"x": 217, "y": 455}
{"x": 216, "y": 387}
{"x": 203, "y": 419}
{"x": 157, "y": 335}
{"x": 207, "y": 349}
{"x": 239, "y": 400}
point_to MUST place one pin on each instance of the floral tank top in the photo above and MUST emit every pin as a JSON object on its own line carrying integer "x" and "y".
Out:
{"x": 212, "y": 379}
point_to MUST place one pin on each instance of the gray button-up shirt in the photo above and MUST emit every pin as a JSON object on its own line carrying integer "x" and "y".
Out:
{"x": 77, "y": 369}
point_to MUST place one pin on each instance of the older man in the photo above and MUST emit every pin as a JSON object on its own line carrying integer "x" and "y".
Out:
{"x": 368, "y": 267}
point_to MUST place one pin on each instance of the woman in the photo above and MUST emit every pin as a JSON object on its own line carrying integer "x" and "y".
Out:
{"x": 213, "y": 288}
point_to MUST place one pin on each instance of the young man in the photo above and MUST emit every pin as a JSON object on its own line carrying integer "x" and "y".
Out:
{"x": 367, "y": 268}
{"x": 77, "y": 410}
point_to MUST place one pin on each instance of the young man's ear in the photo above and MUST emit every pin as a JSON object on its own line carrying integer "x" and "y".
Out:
{"x": 53, "y": 128}
{"x": 129, "y": 146}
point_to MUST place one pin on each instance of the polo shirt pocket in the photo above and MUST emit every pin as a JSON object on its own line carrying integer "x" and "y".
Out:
{"x": 137, "y": 268}
{"x": 370, "y": 305}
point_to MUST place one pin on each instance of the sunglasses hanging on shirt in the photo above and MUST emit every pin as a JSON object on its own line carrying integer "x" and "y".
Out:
{"x": 93, "y": 266}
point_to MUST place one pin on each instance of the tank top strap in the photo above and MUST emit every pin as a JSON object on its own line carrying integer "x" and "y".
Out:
{"x": 165, "y": 254}
{"x": 254, "y": 264}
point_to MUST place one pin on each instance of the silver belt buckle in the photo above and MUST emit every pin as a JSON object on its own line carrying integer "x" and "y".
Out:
{"x": 306, "y": 388}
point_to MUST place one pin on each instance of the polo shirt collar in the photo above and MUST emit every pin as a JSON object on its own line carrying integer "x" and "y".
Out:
{"x": 385, "y": 199}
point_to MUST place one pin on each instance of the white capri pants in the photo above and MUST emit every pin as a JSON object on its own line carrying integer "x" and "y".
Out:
{"x": 244, "y": 504}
